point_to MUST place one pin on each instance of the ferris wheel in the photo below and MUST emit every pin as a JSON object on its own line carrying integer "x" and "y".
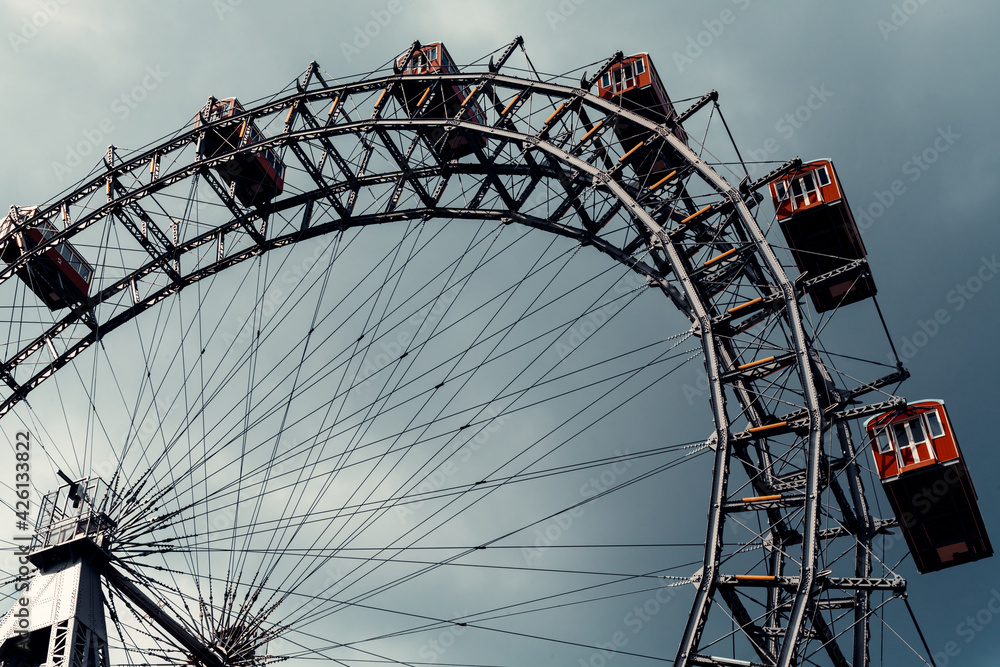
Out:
{"x": 441, "y": 365}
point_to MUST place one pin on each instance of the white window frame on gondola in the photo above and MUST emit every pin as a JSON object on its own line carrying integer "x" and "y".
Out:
{"x": 624, "y": 76}
{"x": 912, "y": 444}
{"x": 935, "y": 427}
{"x": 629, "y": 75}
{"x": 781, "y": 190}
{"x": 823, "y": 177}
{"x": 806, "y": 195}
{"x": 884, "y": 441}
{"x": 888, "y": 441}
{"x": 616, "y": 79}
{"x": 419, "y": 63}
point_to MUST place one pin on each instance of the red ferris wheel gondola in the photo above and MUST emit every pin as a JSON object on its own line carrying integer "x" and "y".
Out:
{"x": 258, "y": 176}
{"x": 635, "y": 85}
{"x": 59, "y": 275}
{"x": 819, "y": 227}
{"x": 928, "y": 485}
{"x": 447, "y": 100}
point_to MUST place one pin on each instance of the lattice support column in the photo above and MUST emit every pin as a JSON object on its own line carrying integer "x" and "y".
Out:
{"x": 65, "y": 620}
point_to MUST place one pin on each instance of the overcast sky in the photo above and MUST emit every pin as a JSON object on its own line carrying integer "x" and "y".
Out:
{"x": 902, "y": 95}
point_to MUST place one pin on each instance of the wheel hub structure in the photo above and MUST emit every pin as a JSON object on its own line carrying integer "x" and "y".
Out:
{"x": 293, "y": 431}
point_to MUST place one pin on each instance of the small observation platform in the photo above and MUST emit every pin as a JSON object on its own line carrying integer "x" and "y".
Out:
{"x": 73, "y": 522}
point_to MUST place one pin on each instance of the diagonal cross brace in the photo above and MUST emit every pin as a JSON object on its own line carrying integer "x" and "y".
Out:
{"x": 404, "y": 166}
{"x": 318, "y": 179}
{"x": 238, "y": 215}
{"x": 150, "y": 236}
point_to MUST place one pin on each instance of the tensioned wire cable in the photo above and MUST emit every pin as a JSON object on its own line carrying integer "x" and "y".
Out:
{"x": 222, "y": 383}
{"x": 155, "y": 397}
{"x": 106, "y": 245}
{"x": 287, "y": 402}
{"x": 454, "y": 394}
{"x": 385, "y": 308}
{"x": 369, "y": 418}
{"x": 642, "y": 366}
{"x": 442, "y": 492}
{"x": 207, "y": 539}
{"x": 522, "y": 407}
{"x": 475, "y": 501}
{"x": 234, "y": 369}
{"x": 96, "y": 418}
{"x": 510, "y": 610}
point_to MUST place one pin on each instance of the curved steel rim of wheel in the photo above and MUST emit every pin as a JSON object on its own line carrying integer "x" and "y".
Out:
{"x": 628, "y": 199}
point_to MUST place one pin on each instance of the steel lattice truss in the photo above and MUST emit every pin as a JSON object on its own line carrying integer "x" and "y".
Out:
{"x": 357, "y": 156}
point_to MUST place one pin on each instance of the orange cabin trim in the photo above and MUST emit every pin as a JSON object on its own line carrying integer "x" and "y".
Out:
{"x": 635, "y": 84}
{"x": 819, "y": 228}
{"x": 928, "y": 485}
{"x": 813, "y": 184}
{"x": 449, "y": 100}
{"x": 260, "y": 179}
{"x": 67, "y": 274}
{"x": 631, "y": 73}
{"x": 910, "y": 439}
{"x": 428, "y": 59}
